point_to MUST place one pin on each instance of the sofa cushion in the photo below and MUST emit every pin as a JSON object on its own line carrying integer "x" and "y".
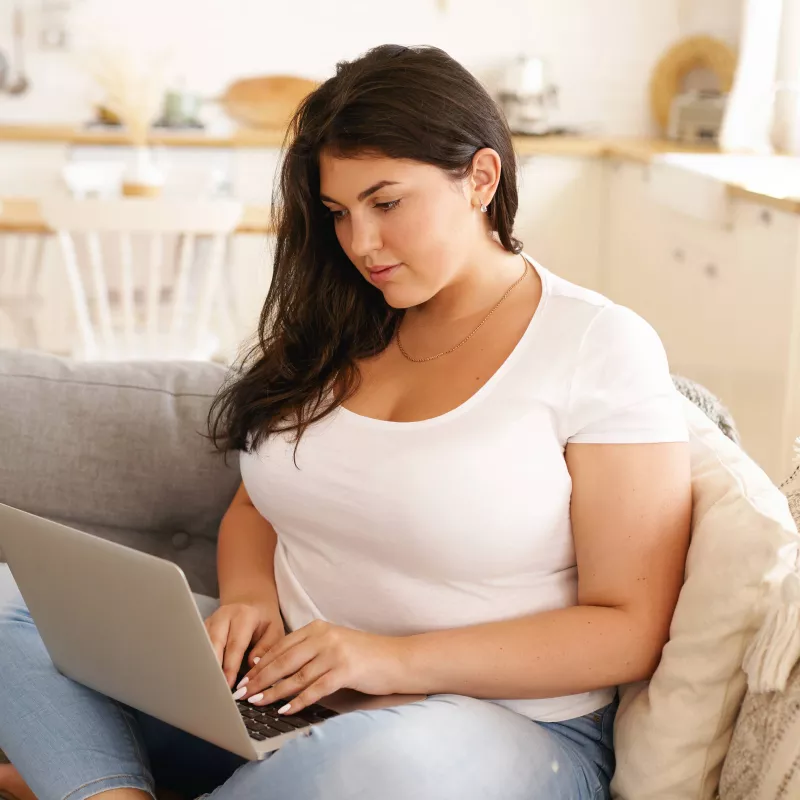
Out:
{"x": 673, "y": 733}
{"x": 116, "y": 448}
{"x": 763, "y": 757}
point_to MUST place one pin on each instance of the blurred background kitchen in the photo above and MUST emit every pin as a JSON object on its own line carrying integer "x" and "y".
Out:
{"x": 657, "y": 144}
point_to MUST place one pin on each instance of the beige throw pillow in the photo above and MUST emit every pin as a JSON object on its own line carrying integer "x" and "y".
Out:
{"x": 672, "y": 733}
{"x": 764, "y": 757}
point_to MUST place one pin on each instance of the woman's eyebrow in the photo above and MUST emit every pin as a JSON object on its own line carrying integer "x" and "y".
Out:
{"x": 364, "y": 195}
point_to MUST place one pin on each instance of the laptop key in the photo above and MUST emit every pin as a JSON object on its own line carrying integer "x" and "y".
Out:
{"x": 325, "y": 713}
{"x": 280, "y": 725}
{"x": 270, "y": 731}
{"x": 295, "y": 722}
{"x": 316, "y": 716}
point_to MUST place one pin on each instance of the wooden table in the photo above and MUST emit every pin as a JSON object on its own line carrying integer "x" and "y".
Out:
{"x": 22, "y": 215}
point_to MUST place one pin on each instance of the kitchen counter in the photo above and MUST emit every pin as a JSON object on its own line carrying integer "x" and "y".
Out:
{"x": 22, "y": 215}
{"x": 109, "y": 136}
{"x": 640, "y": 150}
{"x": 790, "y": 204}
{"x": 599, "y": 147}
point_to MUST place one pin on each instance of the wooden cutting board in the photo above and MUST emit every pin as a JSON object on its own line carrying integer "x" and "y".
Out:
{"x": 265, "y": 102}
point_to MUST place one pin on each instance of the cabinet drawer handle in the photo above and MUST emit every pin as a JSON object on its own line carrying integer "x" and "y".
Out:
{"x": 711, "y": 270}
{"x": 679, "y": 255}
{"x": 766, "y": 217}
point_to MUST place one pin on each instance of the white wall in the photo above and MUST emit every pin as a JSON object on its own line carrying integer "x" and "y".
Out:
{"x": 602, "y": 51}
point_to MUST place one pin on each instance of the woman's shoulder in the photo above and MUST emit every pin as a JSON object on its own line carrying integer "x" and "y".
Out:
{"x": 592, "y": 321}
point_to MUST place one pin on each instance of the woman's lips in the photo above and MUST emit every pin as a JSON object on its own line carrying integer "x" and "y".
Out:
{"x": 381, "y": 275}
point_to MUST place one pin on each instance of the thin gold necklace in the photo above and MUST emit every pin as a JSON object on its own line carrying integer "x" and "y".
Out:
{"x": 464, "y": 341}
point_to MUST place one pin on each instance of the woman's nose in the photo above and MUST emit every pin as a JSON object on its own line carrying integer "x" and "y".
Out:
{"x": 365, "y": 238}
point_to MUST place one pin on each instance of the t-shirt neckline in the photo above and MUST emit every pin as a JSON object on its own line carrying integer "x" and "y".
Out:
{"x": 487, "y": 387}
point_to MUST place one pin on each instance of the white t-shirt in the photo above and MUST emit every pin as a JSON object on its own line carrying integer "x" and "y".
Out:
{"x": 398, "y": 528}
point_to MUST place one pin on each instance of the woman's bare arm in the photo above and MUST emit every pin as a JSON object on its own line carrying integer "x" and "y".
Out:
{"x": 246, "y": 554}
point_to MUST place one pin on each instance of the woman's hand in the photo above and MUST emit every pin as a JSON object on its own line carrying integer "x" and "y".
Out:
{"x": 319, "y": 659}
{"x": 233, "y": 627}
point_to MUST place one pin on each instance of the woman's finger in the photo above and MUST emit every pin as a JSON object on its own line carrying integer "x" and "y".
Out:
{"x": 286, "y": 664}
{"x": 281, "y": 646}
{"x": 326, "y": 684}
{"x": 269, "y": 639}
{"x": 217, "y": 629}
{"x": 240, "y": 634}
{"x": 292, "y": 685}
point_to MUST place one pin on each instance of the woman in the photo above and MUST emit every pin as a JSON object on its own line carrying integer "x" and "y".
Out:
{"x": 463, "y": 476}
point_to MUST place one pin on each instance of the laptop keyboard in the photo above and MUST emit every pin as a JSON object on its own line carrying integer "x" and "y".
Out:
{"x": 264, "y": 722}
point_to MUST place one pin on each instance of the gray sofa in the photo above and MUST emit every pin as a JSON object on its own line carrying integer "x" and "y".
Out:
{"x": 117, "y": 449}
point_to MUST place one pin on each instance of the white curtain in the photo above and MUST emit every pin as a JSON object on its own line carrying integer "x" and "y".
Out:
{"x": 750, "y": 115}
{"x": 786, "y": 129}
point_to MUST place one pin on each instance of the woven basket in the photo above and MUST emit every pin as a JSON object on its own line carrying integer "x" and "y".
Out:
{"x": 696, "y": 52}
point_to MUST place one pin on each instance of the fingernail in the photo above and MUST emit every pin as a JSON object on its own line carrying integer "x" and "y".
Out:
{"x": 243, "y": 682}
{"x": 284, "y": 709}
{"x": 240, "y": 693}
{"x": 256, "y": 659}
{"x": 256, "y": 697}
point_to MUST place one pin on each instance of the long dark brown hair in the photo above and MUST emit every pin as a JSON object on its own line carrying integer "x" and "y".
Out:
{"x": 320, "y": 315}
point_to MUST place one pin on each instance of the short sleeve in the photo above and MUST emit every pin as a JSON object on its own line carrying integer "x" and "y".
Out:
{"x": 622, "y": 390}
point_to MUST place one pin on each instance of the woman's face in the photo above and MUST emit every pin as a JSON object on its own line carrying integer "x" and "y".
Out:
{"x": 406, "y": 226}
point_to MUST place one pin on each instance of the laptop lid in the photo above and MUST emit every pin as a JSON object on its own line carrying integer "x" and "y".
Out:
{"x": 123, "y": 623}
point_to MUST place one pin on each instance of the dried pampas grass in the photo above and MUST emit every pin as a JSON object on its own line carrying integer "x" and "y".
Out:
{"x": 133, "y": 91}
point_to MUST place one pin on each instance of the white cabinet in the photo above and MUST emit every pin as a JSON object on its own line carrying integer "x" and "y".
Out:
{"x": 636, "y": 269}
{"x": 720, "y": 296}
{"x": 253, "y": 177}
{"x": 560, "y": 215}
{"x": 255, "y": 173}
{"x": 31, "y": 170}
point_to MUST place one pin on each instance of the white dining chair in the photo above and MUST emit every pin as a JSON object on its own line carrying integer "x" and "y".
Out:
{"x": 21, "y": 257}
{"x": 144, "y": 274}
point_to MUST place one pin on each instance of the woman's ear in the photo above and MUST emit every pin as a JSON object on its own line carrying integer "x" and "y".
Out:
{"x": 485, "y": 178}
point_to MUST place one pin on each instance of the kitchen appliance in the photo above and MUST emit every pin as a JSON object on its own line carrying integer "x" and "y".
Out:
{"x": 4, "y": 70}
{"x": 688, "y": 59}
{"x": 53, "y": 25}
{"x": 526, "y": 95}
{"x": 20, "y": 84}
{"x": 696, "y": 117}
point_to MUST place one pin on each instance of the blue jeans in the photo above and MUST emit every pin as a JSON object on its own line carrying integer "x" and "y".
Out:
{"x": 70, "y": 742}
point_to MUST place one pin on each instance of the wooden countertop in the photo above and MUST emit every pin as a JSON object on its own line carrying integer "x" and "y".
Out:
{"x": 22, "y": 215}
{"x": 598, "y": 147}
{"x": 640, "y": 150}
{"x": 788, "y": 204}
{"x": 72, "y": 134}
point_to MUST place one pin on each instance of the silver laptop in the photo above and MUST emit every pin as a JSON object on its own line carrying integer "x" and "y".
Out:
{"x": 125, "y": 624}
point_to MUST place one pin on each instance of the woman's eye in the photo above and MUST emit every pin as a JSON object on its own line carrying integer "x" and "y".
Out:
{"x": 385, "y": 207}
